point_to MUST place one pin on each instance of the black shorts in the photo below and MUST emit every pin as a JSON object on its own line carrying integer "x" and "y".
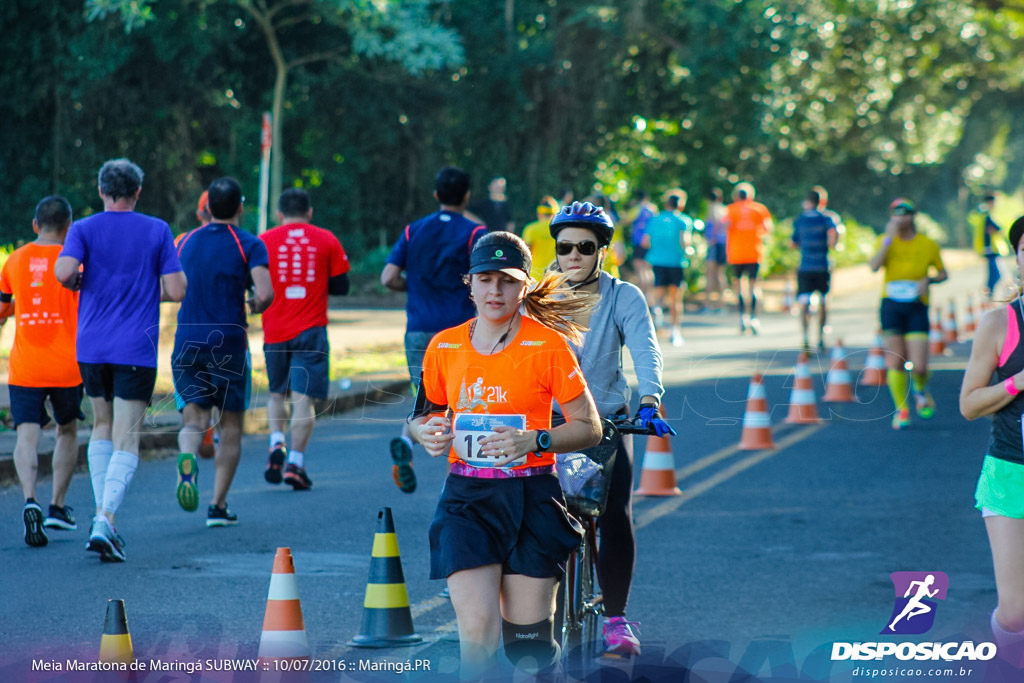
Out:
{"x": 813, "y": 281}
{"x": 745, "y": 269}
{"x": 109, "y": 380}
{"x": 210, "y": 381}
{"x": 301, "y": 364}
{"x": 639, "y": 252}
{"x": 667, "y": 276}
{"x": 901, "y": 318}
{"x": 28, "y": 404}
{"x": 521, "y": 524}
{"x": 716, "y": 254}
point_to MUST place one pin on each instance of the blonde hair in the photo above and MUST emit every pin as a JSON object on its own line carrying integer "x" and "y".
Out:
{"x": 556, "y": 305}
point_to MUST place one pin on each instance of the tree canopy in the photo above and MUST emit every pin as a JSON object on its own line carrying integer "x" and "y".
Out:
{"x": 871, "y": 99}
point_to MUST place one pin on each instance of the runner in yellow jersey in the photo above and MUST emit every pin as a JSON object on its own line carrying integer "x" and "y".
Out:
{"x": 909, "y": 259}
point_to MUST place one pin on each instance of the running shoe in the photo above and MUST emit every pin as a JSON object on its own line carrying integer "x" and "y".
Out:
{"x": 297, "y": 478}
{"x": 216, "y": 516}
{"x": 659, "y": 317}
{"x": 901, "y": 420}
{"x": 743, "y": 324}
{"x": 925, "y": 405}
{"x": 755, "y": 326}
{"x": 401, "y": 471}
{"x": 60, "y": 518}
{"x": 821, "y": 346}
{"x": 620, "y": 637}
{"x": 104, "y": 539}
{"x": 35, "y": 536}
{"x": 275, "y": 463}
{"x": 188, "y": 482}
{"x": 677, "y": 337}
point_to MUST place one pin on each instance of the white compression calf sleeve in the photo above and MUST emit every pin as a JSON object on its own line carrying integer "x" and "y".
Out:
{"x": 99, "y": 453}
{"x": 119, "y": 475}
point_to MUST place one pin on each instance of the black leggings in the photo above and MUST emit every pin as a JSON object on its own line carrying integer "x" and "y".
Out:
{"x": 617, "y": 553}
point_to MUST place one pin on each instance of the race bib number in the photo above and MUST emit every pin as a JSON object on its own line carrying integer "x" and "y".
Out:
{"x": 470, "y": 429}
{"x": 295, "y": 292}
{"x": 901, "y": 290}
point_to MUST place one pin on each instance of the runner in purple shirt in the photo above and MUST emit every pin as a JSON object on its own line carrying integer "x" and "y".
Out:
{"x": 128, "y": 266}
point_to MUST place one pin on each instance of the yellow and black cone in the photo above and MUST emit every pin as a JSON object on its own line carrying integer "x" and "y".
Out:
{"x": 387, "y": 620}
{"x": 116, "y": 643}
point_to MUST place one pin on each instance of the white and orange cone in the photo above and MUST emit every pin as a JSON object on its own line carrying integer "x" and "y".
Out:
{"x": 949, "y": 331}
{"x": 284, "y": 632}
{"x": 838, "y": 384}
{"x": 969, "y": 324}
{"x": 873, "y": 374}
{"x": 658, "y": 476}
{"x": 757, "y": 427}
{"x": 803, "y": 406}
{"x": 936, "y": 345}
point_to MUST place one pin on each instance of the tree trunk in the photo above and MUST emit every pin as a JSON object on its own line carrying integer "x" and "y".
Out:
{"x": 276, "y": 148}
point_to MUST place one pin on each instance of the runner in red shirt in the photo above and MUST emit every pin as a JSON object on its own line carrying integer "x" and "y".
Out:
{"x": 306, "y": 264}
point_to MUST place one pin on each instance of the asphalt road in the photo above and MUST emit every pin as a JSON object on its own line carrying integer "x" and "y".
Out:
{"x": 766, "y": 559}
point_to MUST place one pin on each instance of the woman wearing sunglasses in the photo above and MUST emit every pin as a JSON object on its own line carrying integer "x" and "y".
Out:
{"x": 501, "y": 534}
{"x": 582, "y": 233}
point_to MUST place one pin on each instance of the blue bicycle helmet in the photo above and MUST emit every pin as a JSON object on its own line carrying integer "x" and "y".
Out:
{"x": 584, "y": 215}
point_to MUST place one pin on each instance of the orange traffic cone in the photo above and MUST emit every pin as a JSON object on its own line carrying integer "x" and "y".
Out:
{"x": 207, "y": 448}
{"x": 803, "y": 408}
{"x": 116, "y": 643}
{"x": 949, "y": 331}
{"x": 873, "y": 374}
{"x": 838, "y": 384}
{"x": 757, "y": 428}
{"x": 658, "y": 476}
{"x": 387, "y": 619}
{"x": 936, "y": 346}
{"x": 969, "y": 324}
{"x": 284, "y": 632}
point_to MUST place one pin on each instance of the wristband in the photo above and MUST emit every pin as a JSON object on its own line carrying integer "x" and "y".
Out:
{"x": 886, "y": 241}
{"x": 1010, "y": 387}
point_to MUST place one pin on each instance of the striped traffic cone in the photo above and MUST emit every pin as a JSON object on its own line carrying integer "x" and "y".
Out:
{"x": 838, "y": 384}
{"x": 387, "y": 619}
{"x": 284, "y": 632}
{"x": 803, "y": 407}
{"x": 969, "y": 324}
{"x": 936, "y": 345}
{"x": 873, "y": 374}
{"x": 757, "y": 427}
{"x": 658, "y": 476}
{"x": 116, "y": 643}
{"x": 949, "y": 331}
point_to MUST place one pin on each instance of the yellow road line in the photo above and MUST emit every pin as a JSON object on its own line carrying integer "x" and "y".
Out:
{"x": 671, "y": 505}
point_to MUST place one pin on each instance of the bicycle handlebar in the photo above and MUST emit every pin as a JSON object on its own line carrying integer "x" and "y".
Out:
{"x": 625, "y": 425}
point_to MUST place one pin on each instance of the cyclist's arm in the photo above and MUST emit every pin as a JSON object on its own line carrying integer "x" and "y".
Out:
{"x": 638, "y": 335}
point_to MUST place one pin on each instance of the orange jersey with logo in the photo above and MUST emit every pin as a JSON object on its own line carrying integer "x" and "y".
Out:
{"x": 43, "y": 354}
{"x": 535, "y": 369}
{"x": 748, "y": 224}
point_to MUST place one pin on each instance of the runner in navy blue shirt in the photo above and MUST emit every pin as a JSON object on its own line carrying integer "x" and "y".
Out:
{"x": 814, "y": 233}
{"x": 433, "y": 253}
{"x": 210, "y": 361}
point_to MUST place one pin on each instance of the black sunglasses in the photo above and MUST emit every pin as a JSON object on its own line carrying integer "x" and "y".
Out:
{"x": 586, "y": 248}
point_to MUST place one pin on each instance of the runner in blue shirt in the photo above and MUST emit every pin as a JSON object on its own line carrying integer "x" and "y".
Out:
{"x": 814, "y": 233}
{"x": 129, "y": 265}
{"x": 666, "y": 241}
{"x": 210, "y": 361}
{"x": 428, "y": 262}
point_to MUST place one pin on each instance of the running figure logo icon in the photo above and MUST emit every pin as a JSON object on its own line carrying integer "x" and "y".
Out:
{"x": 914, "y": 610}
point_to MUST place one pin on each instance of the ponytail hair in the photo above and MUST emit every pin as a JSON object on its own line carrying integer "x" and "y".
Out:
{"x": 555, "y": 304}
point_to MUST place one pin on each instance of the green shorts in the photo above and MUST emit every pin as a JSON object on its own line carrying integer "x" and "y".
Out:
{"x": 1000, "y": 488}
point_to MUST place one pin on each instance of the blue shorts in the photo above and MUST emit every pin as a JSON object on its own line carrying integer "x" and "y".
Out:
{"x": 301, "y": 365}
{"x": 716, "y": 253}
{"x": 668, "y": 276}
{"x": 28, "y": 404}
{"x": 416, "y": 344}
{"x": 212, "y": 380}
{"x": 521, "y": 524}
{"x": 901, "y": 318}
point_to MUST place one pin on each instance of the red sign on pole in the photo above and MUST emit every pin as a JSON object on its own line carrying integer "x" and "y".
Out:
{"x": 265, "y": 135}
